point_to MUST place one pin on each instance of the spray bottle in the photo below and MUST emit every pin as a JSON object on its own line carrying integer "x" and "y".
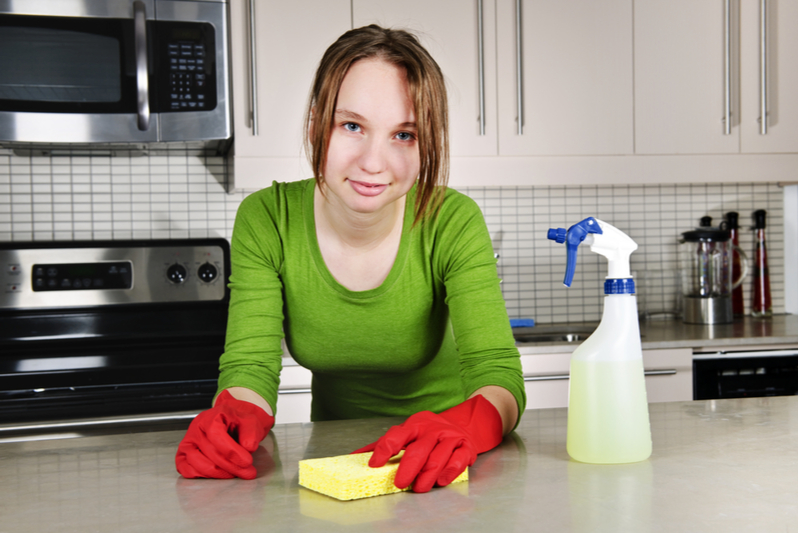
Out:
{"x": 608, "y": 421}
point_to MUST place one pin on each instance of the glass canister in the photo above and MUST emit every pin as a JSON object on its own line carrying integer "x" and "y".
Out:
{"x": 706, "y": 275}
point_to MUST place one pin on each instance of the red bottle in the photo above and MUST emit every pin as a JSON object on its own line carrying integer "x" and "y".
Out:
{"x": 737, "y": 297}
{"x": 762, "y": 298}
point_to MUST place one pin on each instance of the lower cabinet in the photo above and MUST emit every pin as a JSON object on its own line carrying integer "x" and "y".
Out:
{"x": 668, "y": 377}
{"x": 294, "y": 395}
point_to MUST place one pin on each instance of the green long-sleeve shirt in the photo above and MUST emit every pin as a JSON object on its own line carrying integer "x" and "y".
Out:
{"x": 431, "y": 334}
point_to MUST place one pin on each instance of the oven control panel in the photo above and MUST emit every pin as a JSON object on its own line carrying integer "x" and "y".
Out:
{"x": 58, "y": 275}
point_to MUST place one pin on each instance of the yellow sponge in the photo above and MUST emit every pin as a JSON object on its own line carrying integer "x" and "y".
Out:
{"x": 349, "y": 477}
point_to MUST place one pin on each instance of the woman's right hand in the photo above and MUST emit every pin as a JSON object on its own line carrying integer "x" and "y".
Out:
{"x": 220, "y": 441}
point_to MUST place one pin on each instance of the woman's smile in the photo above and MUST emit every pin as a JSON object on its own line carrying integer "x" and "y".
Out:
{"x": 367, "y": 189}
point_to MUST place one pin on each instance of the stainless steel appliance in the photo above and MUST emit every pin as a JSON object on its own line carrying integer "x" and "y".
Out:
{"x": 706, "y": 271}
{"x": 93, "y": 329}
{"x": 745, "y": 374}
{"x": 114, "y": 71}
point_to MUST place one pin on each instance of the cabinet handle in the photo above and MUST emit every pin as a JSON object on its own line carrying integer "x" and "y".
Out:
{"x": 140, "y": 49}
{"x": 253, "y": 82}
{"x": 557, "y": 377}
{"x": 727, "y": 119}
{"x": 554, "y": 377}
{"x": 519, "y": 67}
{"x": 294, "y": 391}
{"x": 763, "y": 67}
{"x": 668, "y": 372}
{"x": 481, "y": 95}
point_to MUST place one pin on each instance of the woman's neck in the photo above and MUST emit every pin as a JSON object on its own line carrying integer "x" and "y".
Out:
{"x": 356, "y": 230}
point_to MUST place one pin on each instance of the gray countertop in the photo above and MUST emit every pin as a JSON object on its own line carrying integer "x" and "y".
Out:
{"x": 719, "y": 465}
{"x": 742, "y": 334}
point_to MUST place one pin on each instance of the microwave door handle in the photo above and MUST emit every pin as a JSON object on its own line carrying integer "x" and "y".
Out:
{"x": 140, "y": 47}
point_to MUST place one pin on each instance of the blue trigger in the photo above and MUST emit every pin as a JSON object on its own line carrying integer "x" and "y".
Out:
{"x": 575, "y": 235}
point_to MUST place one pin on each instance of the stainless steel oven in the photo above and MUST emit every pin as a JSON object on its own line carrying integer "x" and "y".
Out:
{"x": 114, "y": 71}
{"x": 109, "y": 329}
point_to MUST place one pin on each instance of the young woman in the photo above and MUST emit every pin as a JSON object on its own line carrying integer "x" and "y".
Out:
{"x": 382, "y": 281}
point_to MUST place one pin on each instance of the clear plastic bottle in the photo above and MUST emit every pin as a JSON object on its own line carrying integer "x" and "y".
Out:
{"x": 608, "y": 420}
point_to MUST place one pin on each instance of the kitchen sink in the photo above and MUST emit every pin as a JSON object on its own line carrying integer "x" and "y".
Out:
{"x": 553, "y": 334}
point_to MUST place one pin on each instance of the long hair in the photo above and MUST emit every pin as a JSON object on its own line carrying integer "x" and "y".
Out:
{"x": 428, "y": 96}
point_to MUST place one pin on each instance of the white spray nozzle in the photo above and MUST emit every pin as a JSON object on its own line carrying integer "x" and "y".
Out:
{"x": 604, "y": 239}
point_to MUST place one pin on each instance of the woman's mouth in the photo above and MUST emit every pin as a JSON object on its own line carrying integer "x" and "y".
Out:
{"x": 367, "y": 189}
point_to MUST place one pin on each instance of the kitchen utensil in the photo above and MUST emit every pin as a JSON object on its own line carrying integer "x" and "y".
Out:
{"x": 706, "y": 257}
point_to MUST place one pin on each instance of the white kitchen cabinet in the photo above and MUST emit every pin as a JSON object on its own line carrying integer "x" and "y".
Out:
{"x": 289, "y": 40}
{"x": 781, "y": 77}
{"x": 576, "y": 84}
{"x": 294, "y": 396}
{"x": 668, "y": 377}
{"x": 681, "y": 68}
{"x": 449, "y": 30}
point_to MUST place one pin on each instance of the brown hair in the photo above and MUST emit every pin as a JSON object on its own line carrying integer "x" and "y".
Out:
{"x": 428, "y": 96}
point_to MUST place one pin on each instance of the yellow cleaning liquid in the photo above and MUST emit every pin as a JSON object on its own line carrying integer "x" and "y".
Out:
{"x": 608, "y": 420}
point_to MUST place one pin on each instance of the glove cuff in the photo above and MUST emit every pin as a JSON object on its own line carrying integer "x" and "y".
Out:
{"x": 478, "y": 417}
{"x": 225, "y": 400}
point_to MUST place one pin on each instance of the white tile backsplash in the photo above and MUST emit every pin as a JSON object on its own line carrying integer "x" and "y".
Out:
{"x": 182, "y": 194}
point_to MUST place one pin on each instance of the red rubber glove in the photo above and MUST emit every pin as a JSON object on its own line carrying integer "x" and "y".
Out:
{"x": 210, "y": 447}
{"x": 439, "y": 447}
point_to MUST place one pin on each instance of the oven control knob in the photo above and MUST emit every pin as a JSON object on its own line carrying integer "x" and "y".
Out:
{"x": 176, "y": 273}
{"x": 207, "y": 272}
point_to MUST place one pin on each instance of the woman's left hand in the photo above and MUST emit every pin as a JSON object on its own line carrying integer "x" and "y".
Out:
{"x": 439, "y": 447}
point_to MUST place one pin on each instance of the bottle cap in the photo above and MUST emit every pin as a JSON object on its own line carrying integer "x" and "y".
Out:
{"x": 620, "y": 286}
{"x": 760, "y": 219}
{"x": 733, "y": 220}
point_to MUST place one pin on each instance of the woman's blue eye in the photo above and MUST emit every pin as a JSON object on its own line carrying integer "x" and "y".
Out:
{"x": 404, "y": 136}
{"x": 351, "y": 126}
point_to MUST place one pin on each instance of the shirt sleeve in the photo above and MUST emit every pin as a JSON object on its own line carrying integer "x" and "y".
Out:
{"x": 253, "y": 351}
{"x": 481, "y": 329}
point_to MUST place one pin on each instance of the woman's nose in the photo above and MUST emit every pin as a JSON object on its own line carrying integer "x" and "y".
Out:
{"x": 373, "y": 157}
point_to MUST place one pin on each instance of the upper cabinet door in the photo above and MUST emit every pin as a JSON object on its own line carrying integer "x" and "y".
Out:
{"x": 289, "y": 40}
{"x": 574, "y": 84}
{"x": 779, "y": 76}
{"x": 680, "y": 77}
{"x": 450, "y": 31}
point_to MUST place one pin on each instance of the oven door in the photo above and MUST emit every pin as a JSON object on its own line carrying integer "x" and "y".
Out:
{"x": 75, "y": 71}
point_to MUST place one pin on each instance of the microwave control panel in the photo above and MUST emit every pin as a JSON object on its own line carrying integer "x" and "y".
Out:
{"x": 187, "y": 49}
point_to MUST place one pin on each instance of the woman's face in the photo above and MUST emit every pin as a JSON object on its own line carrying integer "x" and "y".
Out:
{"x": 373, "y": 155}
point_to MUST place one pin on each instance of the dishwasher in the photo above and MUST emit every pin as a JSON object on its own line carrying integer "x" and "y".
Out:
{"x": 745, "y": 374}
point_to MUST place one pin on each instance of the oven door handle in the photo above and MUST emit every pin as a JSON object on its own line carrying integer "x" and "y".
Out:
{"x": 140, "y": 47}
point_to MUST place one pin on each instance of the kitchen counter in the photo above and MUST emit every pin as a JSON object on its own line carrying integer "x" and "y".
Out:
{"x": 723, "y": 465}
{"x": 743, "y": 334}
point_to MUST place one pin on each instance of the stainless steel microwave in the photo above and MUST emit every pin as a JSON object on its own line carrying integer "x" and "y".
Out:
{"x": 114, "y": 71}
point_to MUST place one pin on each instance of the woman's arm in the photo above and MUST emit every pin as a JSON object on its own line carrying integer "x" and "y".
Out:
{"x": 504, "y": 402}
{"x": 247, "y": 395}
